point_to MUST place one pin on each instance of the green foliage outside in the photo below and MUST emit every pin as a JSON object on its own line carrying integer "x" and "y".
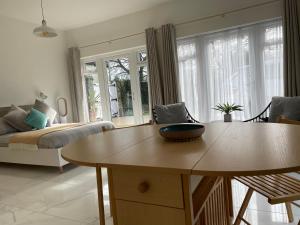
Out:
{"x": 91, "y": 97}
{"x": 119, "y": 75}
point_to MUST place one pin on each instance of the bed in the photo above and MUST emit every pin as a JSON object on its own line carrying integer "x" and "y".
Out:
{"x": 49, "y": 145}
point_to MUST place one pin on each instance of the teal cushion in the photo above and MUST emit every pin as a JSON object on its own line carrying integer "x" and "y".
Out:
{"x": 36, "y": 119}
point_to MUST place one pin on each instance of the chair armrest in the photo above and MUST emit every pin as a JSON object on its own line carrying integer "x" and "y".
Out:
{"x": 262, "y": 117}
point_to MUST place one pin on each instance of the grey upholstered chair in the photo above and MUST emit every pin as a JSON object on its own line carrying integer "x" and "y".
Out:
{"x": 279, "y": 106}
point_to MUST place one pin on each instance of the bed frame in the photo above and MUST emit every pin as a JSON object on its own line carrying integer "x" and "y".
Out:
{"x": 42, "y": 157}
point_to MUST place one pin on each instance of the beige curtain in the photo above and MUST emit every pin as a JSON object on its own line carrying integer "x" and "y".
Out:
{"x": 154, "y": 67}
{"x": 162, "y": 64}
{"x": 76, "y": 84}
{"x": 291, "y": 21}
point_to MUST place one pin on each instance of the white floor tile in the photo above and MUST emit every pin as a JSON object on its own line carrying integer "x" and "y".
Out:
{"x": 72, "y": 175}
{"x": 83, "y": 209}
{"x": 108, "y": 221}
{"x": 44, "y": 195}
{"x": 265, "y": 218}
{"x": 11, "y": 215}
{"x": 14, "y": 184}
{"x": 41, "y": 219}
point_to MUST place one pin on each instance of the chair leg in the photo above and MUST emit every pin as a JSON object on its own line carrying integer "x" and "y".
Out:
{"x": 289, "y": 211}
{"x": 243, "y": 207}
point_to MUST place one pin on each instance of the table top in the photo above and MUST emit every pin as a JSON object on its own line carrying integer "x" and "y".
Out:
{"x": 225, "y": 149}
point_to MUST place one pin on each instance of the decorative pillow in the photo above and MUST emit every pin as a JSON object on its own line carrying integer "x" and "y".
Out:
{"x": 5, "y": 128}
{"x": 173, "y": 113}
{"x": 36, "y": 119}
{"x": 16, "y": 117}
{"x": 46, "y": 109}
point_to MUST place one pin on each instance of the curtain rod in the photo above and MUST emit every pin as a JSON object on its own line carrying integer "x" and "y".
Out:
{"x": 185, "y": 22}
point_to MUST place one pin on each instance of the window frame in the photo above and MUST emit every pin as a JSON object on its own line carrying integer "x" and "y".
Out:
{"x": 134, "y": 64}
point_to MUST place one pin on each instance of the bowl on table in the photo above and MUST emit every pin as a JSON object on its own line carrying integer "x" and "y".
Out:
{"x": 182, "y": 131}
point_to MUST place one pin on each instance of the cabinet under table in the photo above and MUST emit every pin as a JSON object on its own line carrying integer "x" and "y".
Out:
{"x": 142, "y": 197}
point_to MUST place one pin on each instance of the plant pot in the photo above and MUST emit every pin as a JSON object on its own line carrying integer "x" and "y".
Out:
{"x": 227, "y": 118}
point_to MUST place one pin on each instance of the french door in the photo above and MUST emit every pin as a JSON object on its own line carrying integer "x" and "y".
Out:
{"x": 118, "y": 88}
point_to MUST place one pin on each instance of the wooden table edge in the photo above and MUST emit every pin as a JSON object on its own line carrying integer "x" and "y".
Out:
{"x": 147, "y": 168}
{"x": 78, "y": 162}
{"x": 245, "y": 173}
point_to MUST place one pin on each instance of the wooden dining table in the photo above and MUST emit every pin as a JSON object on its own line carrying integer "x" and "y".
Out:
{"x": 154, "y": 181}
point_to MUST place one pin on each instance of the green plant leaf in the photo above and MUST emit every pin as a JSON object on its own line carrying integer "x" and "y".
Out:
{"x": 228, "y": 108}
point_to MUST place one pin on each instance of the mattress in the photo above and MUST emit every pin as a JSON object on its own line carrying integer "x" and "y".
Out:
{"x": 61, "y": 138}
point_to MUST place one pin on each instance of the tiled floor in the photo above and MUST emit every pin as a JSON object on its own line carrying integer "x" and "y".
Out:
{"x": 43, "y": 196}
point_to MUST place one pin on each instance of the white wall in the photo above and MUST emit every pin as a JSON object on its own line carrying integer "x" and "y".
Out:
{"x": 29, "y": 64}
{"x": 176, "y": 12}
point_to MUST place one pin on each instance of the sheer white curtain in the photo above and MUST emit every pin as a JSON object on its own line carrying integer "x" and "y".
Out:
{"x": 242, "y": 66}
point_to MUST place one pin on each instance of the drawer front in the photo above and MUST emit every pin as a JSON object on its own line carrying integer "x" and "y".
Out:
{"x": 131, "y": 213}
{"x": 153, "y": 188}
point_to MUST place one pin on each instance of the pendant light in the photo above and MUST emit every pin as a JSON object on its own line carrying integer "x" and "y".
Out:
{"x": 44, "y": 30}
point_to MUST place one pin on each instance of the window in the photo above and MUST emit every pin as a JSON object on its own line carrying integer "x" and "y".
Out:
{"x": 117, "y": 88}
{"x": 242, "y": 66}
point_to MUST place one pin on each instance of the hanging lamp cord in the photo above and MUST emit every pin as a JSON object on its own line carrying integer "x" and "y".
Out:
{"x": 42, "y": 9}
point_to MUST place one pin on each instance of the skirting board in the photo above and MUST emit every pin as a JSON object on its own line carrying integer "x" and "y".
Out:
{"x": 42, "y": 157}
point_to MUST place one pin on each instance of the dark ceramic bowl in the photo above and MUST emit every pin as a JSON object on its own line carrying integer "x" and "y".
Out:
{"x": 182, "y": 131}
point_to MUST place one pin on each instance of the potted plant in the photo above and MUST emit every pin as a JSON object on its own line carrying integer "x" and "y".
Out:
{"x": 227, "y": 108}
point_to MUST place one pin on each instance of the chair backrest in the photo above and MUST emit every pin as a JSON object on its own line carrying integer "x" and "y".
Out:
{"x": 172, "y": 113}
{"x": 285, "y": 106}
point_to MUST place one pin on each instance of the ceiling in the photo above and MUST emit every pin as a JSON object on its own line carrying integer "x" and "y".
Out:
{"x": 69, "y": 14}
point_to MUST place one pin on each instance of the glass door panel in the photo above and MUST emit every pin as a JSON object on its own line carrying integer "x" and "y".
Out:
{"x": 92, "y": 90}
{"x": 120, "y": 93}
{"x": 144, "y": 92}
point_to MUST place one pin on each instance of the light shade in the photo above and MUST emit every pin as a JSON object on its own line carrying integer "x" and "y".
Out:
{"x": 44, "y": 30}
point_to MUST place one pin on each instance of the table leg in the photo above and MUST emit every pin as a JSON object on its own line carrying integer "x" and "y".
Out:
{"x": 110, "y": 187}
{"x": 111, "y": 196}
{"x": 100, "y": 196}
